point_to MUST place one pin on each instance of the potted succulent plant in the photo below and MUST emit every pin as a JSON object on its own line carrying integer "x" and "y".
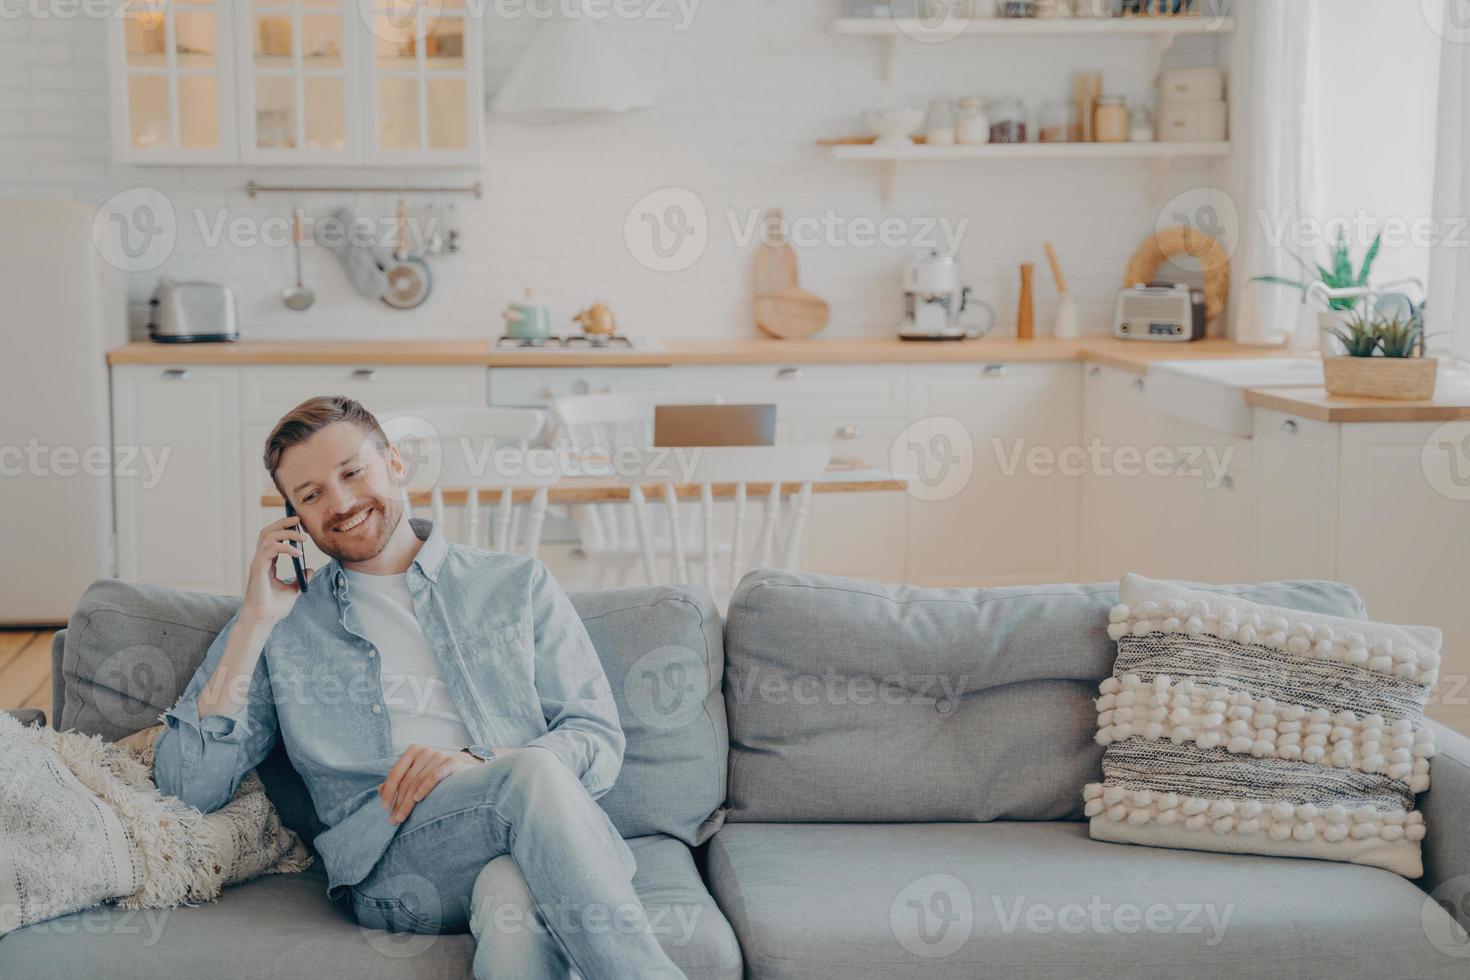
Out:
{"x": 1384, "y": 359}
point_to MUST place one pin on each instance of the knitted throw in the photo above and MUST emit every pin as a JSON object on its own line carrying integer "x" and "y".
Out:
{"x": 81, "y": 823}
{"x": 1233, "y": 726}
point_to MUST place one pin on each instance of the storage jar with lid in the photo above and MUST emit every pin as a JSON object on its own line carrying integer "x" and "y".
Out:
{"x": 1110, "y": 119}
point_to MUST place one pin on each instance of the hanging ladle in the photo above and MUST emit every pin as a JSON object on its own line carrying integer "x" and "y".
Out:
{"x": 297, "y": 297}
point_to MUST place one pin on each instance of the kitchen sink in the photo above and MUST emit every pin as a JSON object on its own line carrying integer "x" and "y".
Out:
{"x": 1212, "y": 393}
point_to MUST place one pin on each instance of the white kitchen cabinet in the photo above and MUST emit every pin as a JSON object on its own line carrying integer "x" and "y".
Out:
{"x": 1005, "y": 522}
{"x": 182, "y": 528}
{"x": 1122, "y": 506}
{"x": 298, "y": 91}
{"x": 1295, "y": 509}
{"x": 422, "y": 82}
{"x": 859, "y": 535}
{"x": 1206, "y": 507}
{"x": 173, "y": 83}
{"x": 1404, "y": 542}
{"x": 297, "y": 83}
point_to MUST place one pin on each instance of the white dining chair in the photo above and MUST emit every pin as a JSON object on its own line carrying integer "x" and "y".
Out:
{"x": 594, "y": 427}
{"x": 712, "y": 472}
{"x": 462, "y": 453}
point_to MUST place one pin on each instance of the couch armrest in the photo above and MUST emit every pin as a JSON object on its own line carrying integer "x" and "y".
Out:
{"x": 28, "y": 716}
{"x": 1447, "y": 815}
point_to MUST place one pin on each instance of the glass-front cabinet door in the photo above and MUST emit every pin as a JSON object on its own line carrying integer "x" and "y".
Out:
{"x": 423, "y": 83}
{"x": 298, "y": 94}
{"x": 173, "y": 97}
{"x": 298, "y": 82}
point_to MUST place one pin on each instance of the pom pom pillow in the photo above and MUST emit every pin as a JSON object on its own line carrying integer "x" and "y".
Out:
{"x": 1233, "y": 726}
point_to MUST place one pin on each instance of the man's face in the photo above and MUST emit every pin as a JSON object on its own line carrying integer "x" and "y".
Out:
{"x": 345, "y": 490}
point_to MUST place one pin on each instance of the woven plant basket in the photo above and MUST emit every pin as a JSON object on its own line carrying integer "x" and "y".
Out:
{"x": 1184, "y": 240}
{"x": 1401, "y": 378}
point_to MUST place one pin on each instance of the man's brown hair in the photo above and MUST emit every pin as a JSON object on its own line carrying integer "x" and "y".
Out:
{"x": 314, "y": 414}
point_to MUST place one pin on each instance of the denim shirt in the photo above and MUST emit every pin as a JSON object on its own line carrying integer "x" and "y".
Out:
{"x": 514, "y": 656}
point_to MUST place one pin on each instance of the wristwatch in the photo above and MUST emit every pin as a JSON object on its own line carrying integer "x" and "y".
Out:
{"x": 481, "y": 752}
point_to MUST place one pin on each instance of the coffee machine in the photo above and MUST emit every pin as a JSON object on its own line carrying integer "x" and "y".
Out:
{"x": 934, "y": 300}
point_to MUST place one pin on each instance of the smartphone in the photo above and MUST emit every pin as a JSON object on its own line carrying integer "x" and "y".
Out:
{"x": 295, "y": 561}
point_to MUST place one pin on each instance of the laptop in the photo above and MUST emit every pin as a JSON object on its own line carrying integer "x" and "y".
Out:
{"x": 714, "y": 425}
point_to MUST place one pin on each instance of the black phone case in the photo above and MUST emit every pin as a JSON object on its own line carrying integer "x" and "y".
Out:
{"x": 296, "y": 562}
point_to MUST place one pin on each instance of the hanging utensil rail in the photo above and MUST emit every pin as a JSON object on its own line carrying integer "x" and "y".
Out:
{"x": 252, "y": 188}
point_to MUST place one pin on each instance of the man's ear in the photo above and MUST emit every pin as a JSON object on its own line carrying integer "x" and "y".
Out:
{"x": 397, "y": 468}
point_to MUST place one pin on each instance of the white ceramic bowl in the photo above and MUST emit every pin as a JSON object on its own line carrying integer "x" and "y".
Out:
{"x": 893, "y": 126}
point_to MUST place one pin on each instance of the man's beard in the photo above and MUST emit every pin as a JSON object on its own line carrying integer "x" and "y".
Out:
{"x": 367, "y": 540}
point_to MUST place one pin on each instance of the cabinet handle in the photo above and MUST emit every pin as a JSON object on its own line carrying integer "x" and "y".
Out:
{"x": 1137, "y": 384}
{"x": 366, "y": 374}
{"x": 849, "y": 432}
{"x": 996, "y": 370}
{"x": 1289, "y": 425}
{"x": 178, "y": 374}
{"x": 789, "y": 372}
{"x": 1094, "y": 371}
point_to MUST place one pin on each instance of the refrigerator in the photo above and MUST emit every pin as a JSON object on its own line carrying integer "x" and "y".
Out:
{"x": 62, "y": 308}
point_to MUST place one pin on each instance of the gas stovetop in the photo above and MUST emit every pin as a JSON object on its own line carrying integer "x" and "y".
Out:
{"x": 570, "y": 342}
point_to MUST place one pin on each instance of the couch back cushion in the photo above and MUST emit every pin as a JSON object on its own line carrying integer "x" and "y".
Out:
{"x": 129, "y": 650}
{"x": 858, "y": 702}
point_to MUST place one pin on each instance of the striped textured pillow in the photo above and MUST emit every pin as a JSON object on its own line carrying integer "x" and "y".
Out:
{"x": 1237, "y": 727}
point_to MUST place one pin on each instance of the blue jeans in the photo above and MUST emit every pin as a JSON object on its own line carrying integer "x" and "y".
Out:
{"x": 566, "y": 856}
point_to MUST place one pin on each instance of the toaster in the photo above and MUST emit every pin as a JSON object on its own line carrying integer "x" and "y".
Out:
{"x": 1160, "y": 311}
{"x": 187, "y": 312}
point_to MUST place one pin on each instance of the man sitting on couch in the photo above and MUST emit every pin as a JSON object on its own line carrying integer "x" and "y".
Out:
{"x": 444, "y": 706}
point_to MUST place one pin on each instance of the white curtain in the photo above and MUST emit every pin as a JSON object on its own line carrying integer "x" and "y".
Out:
{"x": 1448, "y": 314}
{"x": 1275, "y": 58}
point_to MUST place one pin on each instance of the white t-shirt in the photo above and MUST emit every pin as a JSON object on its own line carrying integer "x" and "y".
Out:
{"x": 420, "y": 709}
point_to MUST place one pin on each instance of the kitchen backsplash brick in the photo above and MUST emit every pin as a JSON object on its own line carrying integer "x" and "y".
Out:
{"x": 744, "y": 93}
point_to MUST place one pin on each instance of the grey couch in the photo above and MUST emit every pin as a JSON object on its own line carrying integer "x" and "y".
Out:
{"x": 846, "y": 780}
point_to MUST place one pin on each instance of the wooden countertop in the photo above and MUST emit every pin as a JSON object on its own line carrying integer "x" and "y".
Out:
{"x": 1133, "y": 356}
{"x": 1451, "y": 402}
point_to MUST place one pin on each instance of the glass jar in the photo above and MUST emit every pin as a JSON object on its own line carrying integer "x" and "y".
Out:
{"x": 1110, "y": 120}
{"x": 1007, "y": 120}
{"x": 1141, "y": 125}
{"x": 1058, "y": 123}
{"x": 939, "y": 123}
{"x": 972, "y": 125}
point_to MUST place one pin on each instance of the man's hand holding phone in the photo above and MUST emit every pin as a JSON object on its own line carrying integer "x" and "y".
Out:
{"x": 268, "y": 600}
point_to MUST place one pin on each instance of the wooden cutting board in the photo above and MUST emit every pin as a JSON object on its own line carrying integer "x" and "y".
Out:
{"x": 791, "y": 313}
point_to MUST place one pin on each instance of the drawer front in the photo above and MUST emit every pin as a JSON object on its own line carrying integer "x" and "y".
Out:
{"x": 805, "y": 391}
{"x": 868, "y": 441}
{"x": 267, "y": 393}
{"x": 537, "y": 387}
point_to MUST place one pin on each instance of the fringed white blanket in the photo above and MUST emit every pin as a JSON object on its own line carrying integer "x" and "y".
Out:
{"x": 81, "y": 822}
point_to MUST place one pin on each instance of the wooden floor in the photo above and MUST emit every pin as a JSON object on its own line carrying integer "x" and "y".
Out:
{"x": 25, "y": 668}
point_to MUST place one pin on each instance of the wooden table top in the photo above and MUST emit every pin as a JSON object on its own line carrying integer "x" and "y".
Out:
{"x": 594, "y": 490}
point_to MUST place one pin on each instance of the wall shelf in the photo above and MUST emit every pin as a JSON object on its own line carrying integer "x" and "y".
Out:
{"x": 1158, "y": 155}
{"x": 1034, "y": 27}
{"x": 1160, "y": 31}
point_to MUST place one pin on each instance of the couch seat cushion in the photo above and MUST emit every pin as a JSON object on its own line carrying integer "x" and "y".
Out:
{"x": 283, "y": 926}
{"x": 1017, "y": 900}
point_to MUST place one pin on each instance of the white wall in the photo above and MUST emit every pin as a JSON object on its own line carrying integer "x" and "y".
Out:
{"x": 1380, "y": 70}
{"x": 745, "y": 92}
